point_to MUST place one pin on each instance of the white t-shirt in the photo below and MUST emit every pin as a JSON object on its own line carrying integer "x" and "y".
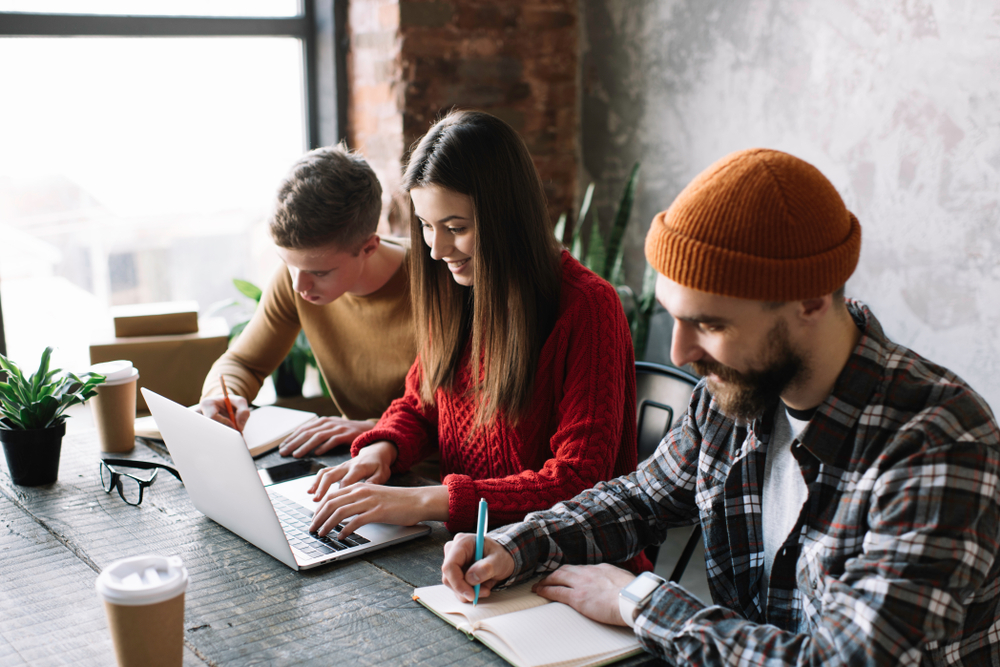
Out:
{"x": 784, "y": 490}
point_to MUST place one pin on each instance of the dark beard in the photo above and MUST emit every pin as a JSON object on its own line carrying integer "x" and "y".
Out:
{"x": 746, "y": 395}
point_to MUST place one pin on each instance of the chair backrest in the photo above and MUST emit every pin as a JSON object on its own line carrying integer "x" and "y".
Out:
{"x": 662, "y": 394}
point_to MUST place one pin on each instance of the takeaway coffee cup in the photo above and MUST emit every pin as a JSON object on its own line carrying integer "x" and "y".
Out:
{"x": 144, "y": 600}
{"x": 114, "y": 405}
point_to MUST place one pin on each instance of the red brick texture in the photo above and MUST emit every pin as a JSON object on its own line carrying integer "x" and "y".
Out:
{"x": 411, "y": 60}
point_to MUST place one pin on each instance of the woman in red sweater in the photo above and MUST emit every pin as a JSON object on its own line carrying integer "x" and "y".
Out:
{"x": 553, "y": 411}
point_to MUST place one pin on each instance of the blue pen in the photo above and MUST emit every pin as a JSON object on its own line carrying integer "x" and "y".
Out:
{"x": 480, "y": 536}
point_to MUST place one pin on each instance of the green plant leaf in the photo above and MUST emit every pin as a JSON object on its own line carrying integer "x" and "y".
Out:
{"x": 7, "y": 365}
{"x": 647, "y": 297}
{"x": 15, "y": 378}
{"x": 644, "y": 312}
{"x": 576, "y": 247}
{"x": 301, "y": 354}
{"x": 618, "y": 270}
{"x": 248, "y": 289}
{"x": 622, "y": 214}
{"x": 588, "y": 200}
{"x": 43, "y": 369}
{"x": 47, "y": 411}
{"x": 595, "y": 249}
{"x": 41, "y": 401}
{"x": 15, "y": 418}
{"x": 7, "y": 394}
{"x": 560, "y": 229}
{"x": 301, "y": 345}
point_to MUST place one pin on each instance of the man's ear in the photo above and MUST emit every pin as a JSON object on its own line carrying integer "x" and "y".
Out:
{"x": 370, "y": 245}
{"x": 813, "y": 310}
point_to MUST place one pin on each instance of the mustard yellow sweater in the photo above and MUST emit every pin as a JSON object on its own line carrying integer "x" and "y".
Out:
{"x": 364, "y": 345}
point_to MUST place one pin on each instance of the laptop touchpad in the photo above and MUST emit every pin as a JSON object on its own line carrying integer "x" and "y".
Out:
{"x": 297, "y": 490}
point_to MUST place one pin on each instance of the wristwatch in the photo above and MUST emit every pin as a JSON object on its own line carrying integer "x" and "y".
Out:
{"x": 636, "y": 594}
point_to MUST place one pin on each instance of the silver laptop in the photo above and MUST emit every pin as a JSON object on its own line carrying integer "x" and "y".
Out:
{"x": 224, "y": 485}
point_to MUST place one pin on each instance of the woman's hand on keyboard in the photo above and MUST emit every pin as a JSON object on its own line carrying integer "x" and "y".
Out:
{"x": 360, "y": 504}
{"x": 372, "y": 465}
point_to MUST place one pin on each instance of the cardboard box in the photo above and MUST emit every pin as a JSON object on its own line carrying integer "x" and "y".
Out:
{"x": 173, "y": 366}
{"x": 156, "y": 319}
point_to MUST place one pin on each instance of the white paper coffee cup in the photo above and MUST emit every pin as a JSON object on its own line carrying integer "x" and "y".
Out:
{"x": 144, "y": 600}
{"x": 114, "y": 405}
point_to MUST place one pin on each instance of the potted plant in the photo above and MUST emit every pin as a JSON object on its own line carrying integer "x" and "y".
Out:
{"x": 33, "y": 419}
{"x": 606, "y": 259}
{"x": 290, "y": 375}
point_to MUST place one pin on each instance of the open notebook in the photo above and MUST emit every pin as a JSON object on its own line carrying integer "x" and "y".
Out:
{"x": 267, "y": 427}
{"x": 527, "y": 630}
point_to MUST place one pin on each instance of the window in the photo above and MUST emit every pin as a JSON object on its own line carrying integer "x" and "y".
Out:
{"x": 140, "y": 153}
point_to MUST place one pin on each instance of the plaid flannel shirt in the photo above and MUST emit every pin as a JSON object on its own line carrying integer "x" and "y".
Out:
{"x": 892, "y": 559}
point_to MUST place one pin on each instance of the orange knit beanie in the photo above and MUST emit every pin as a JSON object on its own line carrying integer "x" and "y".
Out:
{"x": 758, "y": 224}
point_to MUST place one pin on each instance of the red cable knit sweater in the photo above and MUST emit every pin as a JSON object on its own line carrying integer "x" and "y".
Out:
{"x": 579, "y": 430}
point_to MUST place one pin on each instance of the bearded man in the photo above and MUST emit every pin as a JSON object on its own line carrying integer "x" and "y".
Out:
{"x": 848, "y": 489}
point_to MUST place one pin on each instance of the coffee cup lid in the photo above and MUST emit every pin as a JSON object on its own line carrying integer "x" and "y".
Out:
{"x": 116, "y": 372}
{"x": 142, "y": 580}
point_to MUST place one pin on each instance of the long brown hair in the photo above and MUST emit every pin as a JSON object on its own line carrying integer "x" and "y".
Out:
{"x": 514, "y": 302}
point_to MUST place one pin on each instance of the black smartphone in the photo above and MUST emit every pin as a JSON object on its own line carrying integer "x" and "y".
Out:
{"x": 290, "y": 470}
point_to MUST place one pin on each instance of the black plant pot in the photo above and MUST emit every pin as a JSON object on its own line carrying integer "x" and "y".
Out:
{"x": 286, "y": 385}
{"x": 33, "y": 456}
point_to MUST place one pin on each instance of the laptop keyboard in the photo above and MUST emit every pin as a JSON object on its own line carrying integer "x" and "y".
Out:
{"x": 295, "y": 520}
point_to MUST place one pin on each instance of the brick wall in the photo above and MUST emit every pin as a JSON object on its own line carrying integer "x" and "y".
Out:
{"x": 411, "y": 60}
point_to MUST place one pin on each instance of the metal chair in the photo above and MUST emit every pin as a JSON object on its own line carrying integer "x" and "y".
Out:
{"x": 662, "y": 394}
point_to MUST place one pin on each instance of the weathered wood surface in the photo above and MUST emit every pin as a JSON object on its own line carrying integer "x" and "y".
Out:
{"x": 50, "y": 613}
{"x": 242, "y": 606}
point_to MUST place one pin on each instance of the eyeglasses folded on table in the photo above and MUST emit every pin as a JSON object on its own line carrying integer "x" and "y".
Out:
{"x": 130, "y": 487}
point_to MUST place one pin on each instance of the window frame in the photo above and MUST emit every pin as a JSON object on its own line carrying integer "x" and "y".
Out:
{"x": 321, "y": 25}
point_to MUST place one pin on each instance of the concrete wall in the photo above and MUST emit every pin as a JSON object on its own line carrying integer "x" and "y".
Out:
{"x": 896, "y": 101}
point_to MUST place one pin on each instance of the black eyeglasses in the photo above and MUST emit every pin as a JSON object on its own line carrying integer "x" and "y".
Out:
{"x": 129, "y": 486}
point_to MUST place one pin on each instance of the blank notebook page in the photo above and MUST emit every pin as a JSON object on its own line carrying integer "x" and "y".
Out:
{"x": 555, "y": 634}
{"x": 515, "y": 598}
{"x": 271, "y": 422}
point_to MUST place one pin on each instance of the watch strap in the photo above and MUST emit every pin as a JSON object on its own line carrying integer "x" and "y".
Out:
{"x": 637, "y": 593}
{"x": 627, "y": 609}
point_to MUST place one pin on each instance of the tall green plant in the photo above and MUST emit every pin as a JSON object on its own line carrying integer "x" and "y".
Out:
{"x": 606, "y": 257}
{"x": 40, "y": 400}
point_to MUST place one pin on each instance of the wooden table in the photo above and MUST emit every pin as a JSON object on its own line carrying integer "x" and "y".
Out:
{"x": 243, "y": 607}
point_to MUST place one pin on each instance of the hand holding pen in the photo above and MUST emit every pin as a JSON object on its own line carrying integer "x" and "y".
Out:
{"x": 229, "y": 405}
{"x": 480, "y": 536}
{"x": 215, "y": 408}
{"x": 463, "y": 573}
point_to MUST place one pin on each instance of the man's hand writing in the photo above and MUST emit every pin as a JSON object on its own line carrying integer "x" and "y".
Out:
{"x": 460, "y": 574}
{"x": 214, "y": 407}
